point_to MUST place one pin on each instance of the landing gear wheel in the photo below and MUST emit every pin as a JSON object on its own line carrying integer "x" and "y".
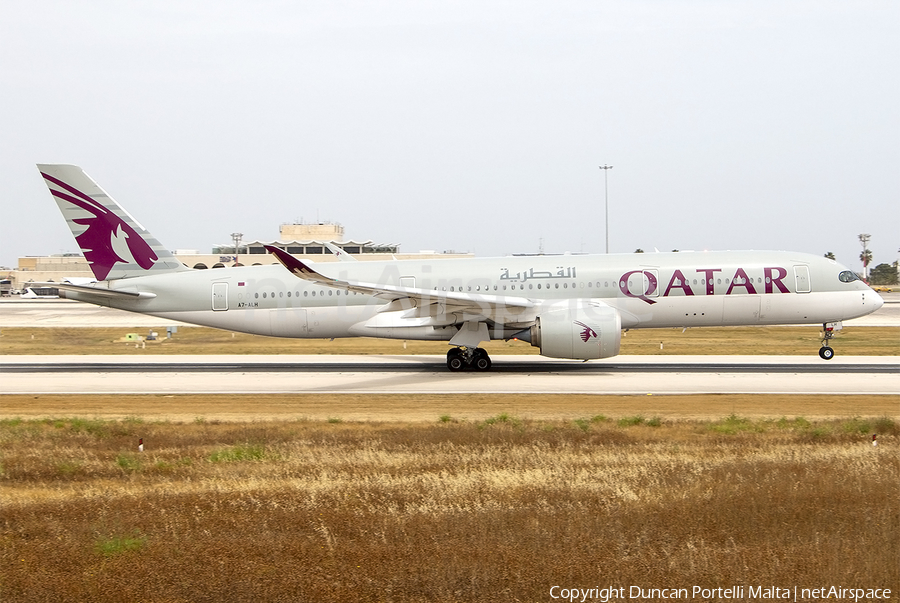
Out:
{"x": 481, "y": 362}
{"x": 455, "y": 360}
{"x": 828, "y": 329}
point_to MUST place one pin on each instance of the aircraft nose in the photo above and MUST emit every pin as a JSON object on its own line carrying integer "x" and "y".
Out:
{"x": 877, "y": 301}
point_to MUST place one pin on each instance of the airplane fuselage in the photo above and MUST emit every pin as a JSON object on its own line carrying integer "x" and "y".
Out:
{"x": 687, "y": 289}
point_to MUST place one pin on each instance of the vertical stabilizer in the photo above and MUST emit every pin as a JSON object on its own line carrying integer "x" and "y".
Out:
{"x": 113, "y": 242}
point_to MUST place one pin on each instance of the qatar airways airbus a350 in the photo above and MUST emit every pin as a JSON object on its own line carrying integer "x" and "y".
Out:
{"x": 570, "y": 306}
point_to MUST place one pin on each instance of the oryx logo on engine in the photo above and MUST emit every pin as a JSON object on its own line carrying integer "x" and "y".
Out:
{"x": 586, "y": 332}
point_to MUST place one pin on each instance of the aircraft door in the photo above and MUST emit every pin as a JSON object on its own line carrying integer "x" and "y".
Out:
{"x": 220, "y": 296}
{"x": 641, "y": 283}
{"x": 651, "y": 283}
{"x": 801, "y": 279}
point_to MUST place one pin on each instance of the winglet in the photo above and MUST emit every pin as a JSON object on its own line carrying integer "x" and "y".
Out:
{"x": 339, "y": 253}
{"x": 298, "y": 268}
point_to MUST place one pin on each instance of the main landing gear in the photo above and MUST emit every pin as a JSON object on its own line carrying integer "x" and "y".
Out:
{"x": 826, "y": 352}
{"x": 462, "y": 358}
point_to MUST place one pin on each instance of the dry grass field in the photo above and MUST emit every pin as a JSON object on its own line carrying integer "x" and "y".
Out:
{"x": 499, "y": 509}
{"x": 442, "y": 498}
{"x": 858, "y": 341}
{"x": 423, "y": 408}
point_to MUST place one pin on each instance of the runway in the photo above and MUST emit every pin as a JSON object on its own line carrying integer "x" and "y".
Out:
{"x": 626, "y": 375}
{"x": 423, "y": 374}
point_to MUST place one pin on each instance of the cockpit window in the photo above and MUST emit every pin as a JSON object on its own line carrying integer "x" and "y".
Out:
{"x": 848, "y": 276}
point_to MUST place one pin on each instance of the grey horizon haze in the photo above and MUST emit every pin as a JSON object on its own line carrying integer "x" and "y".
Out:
{"x": 469, "y": 126}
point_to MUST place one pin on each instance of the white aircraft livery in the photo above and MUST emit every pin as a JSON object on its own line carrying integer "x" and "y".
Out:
{"x": 569, "y": 306}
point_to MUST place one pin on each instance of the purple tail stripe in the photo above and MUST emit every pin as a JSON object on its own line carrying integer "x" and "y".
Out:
{"x": 90, "y": 208}
{"x": 72, "y": 190}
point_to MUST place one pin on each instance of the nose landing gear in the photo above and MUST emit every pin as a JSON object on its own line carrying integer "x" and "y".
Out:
{"x": 828, "y": 329}
{"x": 462, "y": 358}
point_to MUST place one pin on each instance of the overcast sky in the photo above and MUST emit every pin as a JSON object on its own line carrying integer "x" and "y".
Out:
{"x": 472, "y": 126}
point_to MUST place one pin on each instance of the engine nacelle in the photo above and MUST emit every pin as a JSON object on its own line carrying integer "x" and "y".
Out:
{"x": 582, "y": 329}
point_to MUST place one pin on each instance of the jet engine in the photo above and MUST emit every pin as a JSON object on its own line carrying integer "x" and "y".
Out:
{"x": 583, "y": 329}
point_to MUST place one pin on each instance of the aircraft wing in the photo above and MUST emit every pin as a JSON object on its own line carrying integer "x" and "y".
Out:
{"x": 421, "y": 303}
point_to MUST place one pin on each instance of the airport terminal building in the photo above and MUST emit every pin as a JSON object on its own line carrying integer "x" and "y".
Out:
{"x": 313, "y": 242}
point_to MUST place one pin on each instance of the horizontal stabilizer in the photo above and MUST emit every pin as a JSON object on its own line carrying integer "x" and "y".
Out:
{"x": 99, "y": 291}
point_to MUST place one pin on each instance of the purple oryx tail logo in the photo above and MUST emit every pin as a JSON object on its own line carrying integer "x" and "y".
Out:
{"x": 105, "y": 233}
{"x": 586, "y": 332}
